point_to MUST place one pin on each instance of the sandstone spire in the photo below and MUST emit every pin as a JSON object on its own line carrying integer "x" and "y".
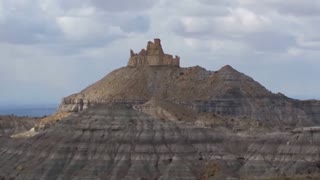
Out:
{"x": 153, "y": 55}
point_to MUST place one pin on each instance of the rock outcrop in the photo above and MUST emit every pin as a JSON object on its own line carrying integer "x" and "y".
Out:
{"x": 166, "y": 110}
{"x": 152, "y": 56}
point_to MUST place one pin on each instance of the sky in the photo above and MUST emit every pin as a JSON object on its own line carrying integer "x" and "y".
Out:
{"x": 50, "y": 49}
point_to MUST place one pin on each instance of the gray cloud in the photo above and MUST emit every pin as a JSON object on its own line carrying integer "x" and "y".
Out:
{"x": 108, "y": 5}
{"x": 136, "y": 24}
{"x": 24, "y": 23}
{"x": 255, "y": 24}
{"x": 226, "y": 3}
{"x": 275, "y": 42}
{"x": 26, "y": 31}
{"x": 74, "y": 24}
{"x": 124, "y": 5}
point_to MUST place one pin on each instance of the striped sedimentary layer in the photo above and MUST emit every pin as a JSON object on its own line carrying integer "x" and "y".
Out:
{"x": 116, "y": 142}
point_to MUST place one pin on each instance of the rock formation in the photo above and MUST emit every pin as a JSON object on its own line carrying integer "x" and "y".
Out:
{"x": 153, "y": 56}
{"x": 225, "y": 92}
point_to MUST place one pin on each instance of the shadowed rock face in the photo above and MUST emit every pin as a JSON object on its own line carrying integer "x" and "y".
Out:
{"x": 121, "y": 143}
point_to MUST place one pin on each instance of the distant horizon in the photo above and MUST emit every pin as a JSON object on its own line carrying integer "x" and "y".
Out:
{"x": 52, "y": 105}
{"x": 28, "y": 106}
{"x": 30, "y": 110}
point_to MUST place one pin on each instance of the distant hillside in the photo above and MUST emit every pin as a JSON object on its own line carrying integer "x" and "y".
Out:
{"x": 226, "y": 92}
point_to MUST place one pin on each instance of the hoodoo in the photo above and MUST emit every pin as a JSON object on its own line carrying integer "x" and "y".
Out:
{"x": 153, "y": 56}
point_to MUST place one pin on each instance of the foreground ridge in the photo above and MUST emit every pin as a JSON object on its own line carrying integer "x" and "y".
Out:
{"x": 117, "y": 142}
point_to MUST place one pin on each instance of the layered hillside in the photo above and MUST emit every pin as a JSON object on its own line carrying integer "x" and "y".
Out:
{"x": 117, "y": 142}
{"x": 225, "y": 92}
{"x": 10, "y": 125}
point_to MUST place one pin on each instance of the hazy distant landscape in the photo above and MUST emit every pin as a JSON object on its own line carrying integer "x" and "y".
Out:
{"x": 32, "y": 111}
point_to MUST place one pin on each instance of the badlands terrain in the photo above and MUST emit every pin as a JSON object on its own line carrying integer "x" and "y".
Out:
{"x": 156, "y": 120}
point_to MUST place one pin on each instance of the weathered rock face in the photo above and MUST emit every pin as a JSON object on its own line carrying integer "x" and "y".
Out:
{"x": 312, "y": 109}
{"x": 10, "y": 125}
{"x": 153, "y": 56}
{"x": 117, "y": 142}
{"x": 166, "y": 110}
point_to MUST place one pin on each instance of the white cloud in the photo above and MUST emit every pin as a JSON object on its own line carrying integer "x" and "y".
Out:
{"x": 293, "y": 8}
{"x": 295, "y": 51}
{"x": 219, "y": 47}
{"x": 309, "y": 42}
{"x": 195, "y": 24}
{"x": 244, "y": 20}
{"x": 78, "y": 28}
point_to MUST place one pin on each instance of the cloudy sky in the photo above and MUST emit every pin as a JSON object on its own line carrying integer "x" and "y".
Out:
{"x": 52, "y": 48}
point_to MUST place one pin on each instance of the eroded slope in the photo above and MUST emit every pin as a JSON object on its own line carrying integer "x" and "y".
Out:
{"x": 10, "y": 125}
{"x": 120, "y": 143}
